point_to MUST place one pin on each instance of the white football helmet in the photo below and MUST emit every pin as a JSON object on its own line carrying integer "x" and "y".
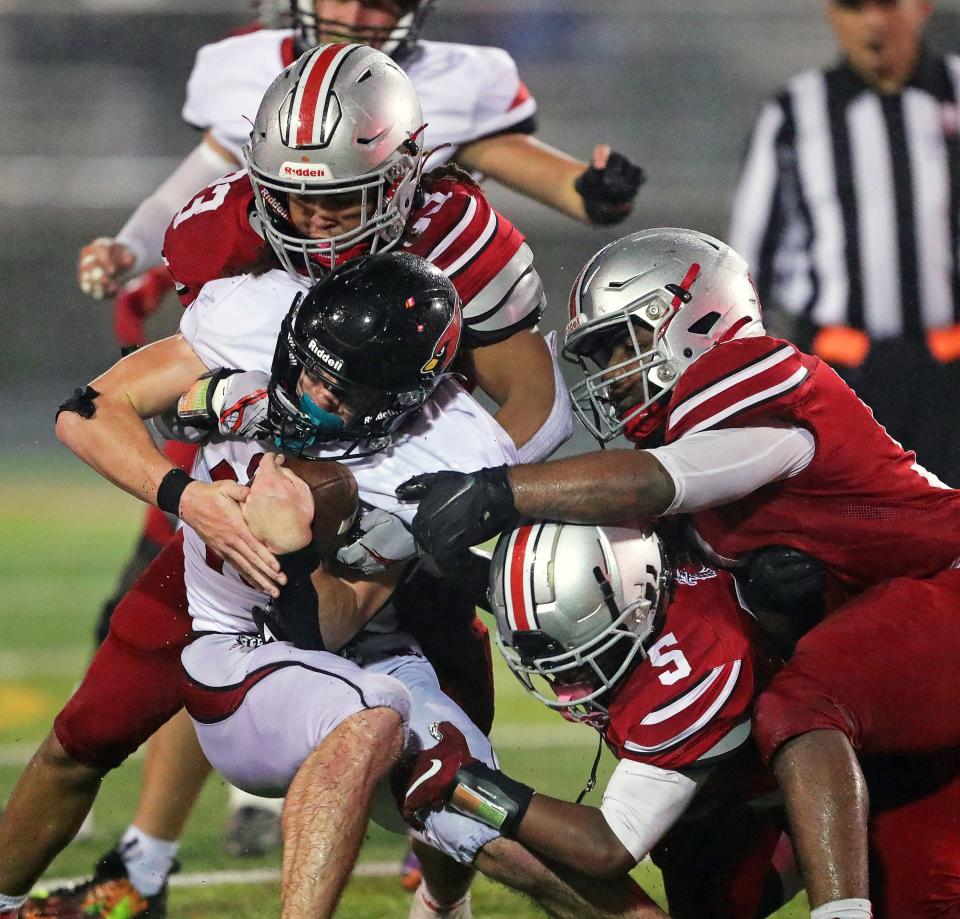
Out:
{"x": 340, "y": 120}
{"x": 397, "y": 41}
{"x": 574, "y": 605}
{"x": 689, "y": 290}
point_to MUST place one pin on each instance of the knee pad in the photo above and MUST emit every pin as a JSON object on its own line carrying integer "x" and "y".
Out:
{"x": 796, "y": 703}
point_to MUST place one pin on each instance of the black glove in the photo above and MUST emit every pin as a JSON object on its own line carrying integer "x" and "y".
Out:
{"x": 608, "y": 193}
{"x": 293, "y": 616}
{"x": 458, "y": 510}
{"x": 784, "y": 587}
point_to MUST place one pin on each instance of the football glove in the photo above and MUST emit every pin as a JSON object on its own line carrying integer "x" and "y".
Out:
{"x": 784, "y": 580}
{"x": 426, "y": 784}
{"x": 377, "y": 541}
{"x": 458, "y": 510}
{"x": 608, "y": 193}
{"x": 229, "y": 403}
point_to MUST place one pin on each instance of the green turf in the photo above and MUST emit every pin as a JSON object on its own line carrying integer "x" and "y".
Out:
{"x": 64, "y": 534}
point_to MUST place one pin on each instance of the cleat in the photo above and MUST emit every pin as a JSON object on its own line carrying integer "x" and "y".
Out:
{"x": 411, "y": 873}
{"x": 252, "y": 831}
{"x": 107, "y": 895}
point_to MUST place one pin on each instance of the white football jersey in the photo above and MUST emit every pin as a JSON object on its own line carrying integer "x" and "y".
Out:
{"x": 466, "y": 91}
{"x": 235, "y": 322}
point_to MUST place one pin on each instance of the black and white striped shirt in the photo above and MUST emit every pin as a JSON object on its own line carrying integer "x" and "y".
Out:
{"x": 848, "y": 205}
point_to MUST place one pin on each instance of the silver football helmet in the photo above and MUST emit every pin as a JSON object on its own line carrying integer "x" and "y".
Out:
{"x": 341, "y": 120}
{"x": 689, "y": 292}
{"x": 397, "y": 41}
{"x": 573, "y": 606}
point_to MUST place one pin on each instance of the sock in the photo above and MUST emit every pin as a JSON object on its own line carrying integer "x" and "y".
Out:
{"x": 434, "y": 903}
{"x": 148, "y": 859}
{"x": 240, "y": 799}
{"x": 843, "y": 909}
{"x": 8, "y": 902}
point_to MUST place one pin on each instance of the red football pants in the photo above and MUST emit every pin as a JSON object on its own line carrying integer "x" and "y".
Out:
{"x": 132, "y": 685}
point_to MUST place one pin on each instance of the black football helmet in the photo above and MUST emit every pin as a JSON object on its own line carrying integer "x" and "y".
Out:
{"x": 398, "y": 41}
{"x": 378, "y": 332}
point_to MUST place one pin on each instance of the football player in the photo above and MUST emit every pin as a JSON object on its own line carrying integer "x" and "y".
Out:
{"x": 763, "y": 444}
{"x": 476, "y": 110}
{"x": 664, "y": 663}
{"x": 355, "y": 358}
{"x": 308, "y": 222}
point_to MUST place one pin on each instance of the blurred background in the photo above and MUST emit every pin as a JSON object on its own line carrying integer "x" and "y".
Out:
{"x": 91, "y": 93}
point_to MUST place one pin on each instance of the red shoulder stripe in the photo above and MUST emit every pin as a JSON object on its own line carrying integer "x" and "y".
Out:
{"x": 744, "y": 387}
{"x": 700, "y": 709}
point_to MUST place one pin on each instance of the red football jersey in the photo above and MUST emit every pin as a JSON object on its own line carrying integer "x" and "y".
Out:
{"x": 454, "y": 227}
{"x": 863, "y": 505}
{"x": 688, "y": 702}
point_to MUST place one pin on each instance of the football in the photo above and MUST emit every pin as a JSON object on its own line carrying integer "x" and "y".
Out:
{"x": 335, "y": 499}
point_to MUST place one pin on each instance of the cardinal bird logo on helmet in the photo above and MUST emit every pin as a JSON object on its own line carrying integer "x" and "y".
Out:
{"x": 446, "y": 347}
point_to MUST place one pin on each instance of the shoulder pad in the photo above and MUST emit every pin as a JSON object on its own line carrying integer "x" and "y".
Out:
{"x": 732, "y": 380}
{"x": 211, "y": 236}
{"x": 484, "y": 256}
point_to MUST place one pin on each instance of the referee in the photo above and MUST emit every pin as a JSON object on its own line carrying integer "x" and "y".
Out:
{"x": 848, "y": 210}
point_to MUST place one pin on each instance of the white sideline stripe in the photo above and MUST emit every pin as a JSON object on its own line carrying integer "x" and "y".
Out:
{"x": 514, "y": 736}
{"x": 242, "y": 876}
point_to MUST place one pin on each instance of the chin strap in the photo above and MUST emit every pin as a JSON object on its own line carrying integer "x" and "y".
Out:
{"x": 592, "y": 781}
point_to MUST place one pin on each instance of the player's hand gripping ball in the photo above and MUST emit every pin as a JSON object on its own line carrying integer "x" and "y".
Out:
{"x": 334, "y": 491}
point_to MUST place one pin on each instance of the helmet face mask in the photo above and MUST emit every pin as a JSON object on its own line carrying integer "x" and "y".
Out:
{"x": 396, "y": 39}
{"x": 686, "y": 291}
{"x": 574, "y": 606}
{"x": 376, "y": 336}
{"x": 338, "y": 130}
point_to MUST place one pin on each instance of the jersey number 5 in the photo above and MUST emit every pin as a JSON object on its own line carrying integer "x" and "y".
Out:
{"x": 674, "y": 659}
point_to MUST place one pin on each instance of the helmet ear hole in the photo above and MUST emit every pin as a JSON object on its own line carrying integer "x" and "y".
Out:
{"x": 705, "y": 323}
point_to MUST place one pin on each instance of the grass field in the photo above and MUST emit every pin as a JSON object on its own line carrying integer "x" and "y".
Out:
{"x": 63, "y": 537}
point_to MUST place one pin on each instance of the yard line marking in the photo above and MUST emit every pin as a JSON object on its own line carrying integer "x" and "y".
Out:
{"x": 244, "y": 876}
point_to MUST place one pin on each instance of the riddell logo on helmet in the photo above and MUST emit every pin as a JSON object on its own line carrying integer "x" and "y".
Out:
{"x": 334, "y": 363}
{"x": 304, "y": 171}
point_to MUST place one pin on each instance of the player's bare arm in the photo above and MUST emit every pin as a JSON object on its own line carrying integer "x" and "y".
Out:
{"x": 575, "y": 836}
{"x": 517, "y": 374}
{"x": 539, "y": 171}
{"x": 107, "y": 432}
{"x": 459, "y": 510}
{"x": 614, "y": 486}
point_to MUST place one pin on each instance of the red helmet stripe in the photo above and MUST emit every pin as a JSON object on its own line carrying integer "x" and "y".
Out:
{"x": 312, "y": 92}
{"x": 518, "y": 600}
{"x": 688, "y": 279}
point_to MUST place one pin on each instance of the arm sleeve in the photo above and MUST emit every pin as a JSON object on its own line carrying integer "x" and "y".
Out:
{"x": 756, "y": 220}
{"x": 642, "y": 802}
{"x": 143, "y": 232}
{"x": 716, "y": 467}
